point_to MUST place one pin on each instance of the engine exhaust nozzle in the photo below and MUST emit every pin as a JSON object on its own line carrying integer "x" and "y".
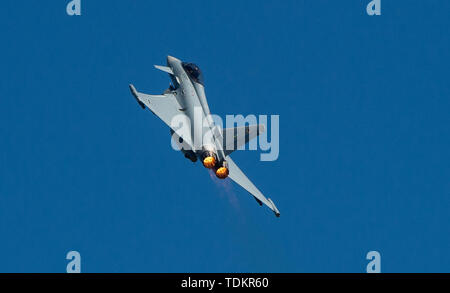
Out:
{"x": 209, "y": 160}
{"x": 222, "y": 172}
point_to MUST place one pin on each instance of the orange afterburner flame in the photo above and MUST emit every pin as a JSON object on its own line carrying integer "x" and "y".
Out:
{"x": 209, "y": 162}
{"x": 222, "y": 172}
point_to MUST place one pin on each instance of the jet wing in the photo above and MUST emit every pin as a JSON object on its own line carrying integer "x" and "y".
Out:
{"x": 234, "y": 138}
{"x": 166, "y": 107}
{"x": 239, "y": 177}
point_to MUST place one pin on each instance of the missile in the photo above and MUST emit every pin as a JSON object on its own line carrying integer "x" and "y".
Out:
{"x": 258, "y": 201}
{"x": 274, "y": 208}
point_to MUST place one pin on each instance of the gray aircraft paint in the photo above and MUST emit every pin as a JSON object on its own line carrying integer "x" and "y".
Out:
{"x": 187, "y": 99}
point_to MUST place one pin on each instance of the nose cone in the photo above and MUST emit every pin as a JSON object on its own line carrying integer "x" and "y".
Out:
{"x": 171, "y": 60}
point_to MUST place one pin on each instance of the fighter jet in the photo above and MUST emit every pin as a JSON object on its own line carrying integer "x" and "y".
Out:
{"x": 184, "y": 108}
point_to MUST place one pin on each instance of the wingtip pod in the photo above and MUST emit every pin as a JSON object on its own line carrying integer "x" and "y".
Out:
{"x": 133, "y": 90}
{"x": 135, "y": 95}
{"x": 274, "y": 208}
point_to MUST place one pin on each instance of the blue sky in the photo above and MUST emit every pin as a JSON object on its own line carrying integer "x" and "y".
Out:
{"x": 364, "y": 137}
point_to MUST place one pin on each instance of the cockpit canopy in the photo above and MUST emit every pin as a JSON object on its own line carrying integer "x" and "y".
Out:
{"x": 194, "y": 72}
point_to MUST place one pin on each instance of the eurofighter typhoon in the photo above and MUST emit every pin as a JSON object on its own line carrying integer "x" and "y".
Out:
{"x": 184, "y": 108}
